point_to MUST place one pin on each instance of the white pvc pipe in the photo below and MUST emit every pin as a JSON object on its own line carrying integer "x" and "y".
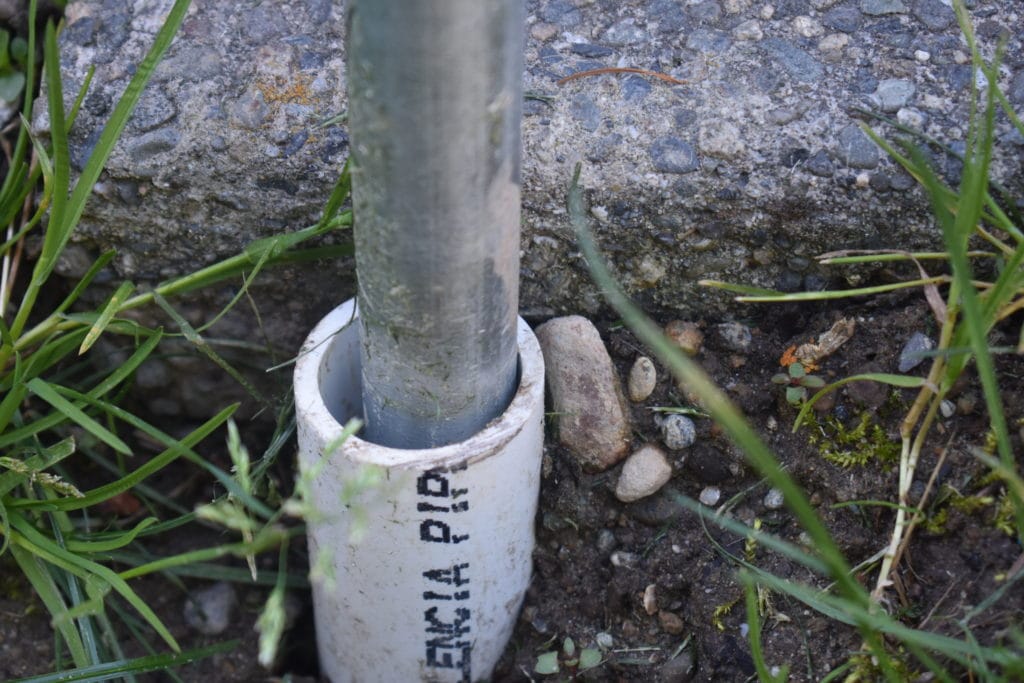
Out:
{"x": 430, "y": 563}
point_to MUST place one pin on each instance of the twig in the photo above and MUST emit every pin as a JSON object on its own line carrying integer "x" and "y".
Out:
{"x": 622, "y": 70}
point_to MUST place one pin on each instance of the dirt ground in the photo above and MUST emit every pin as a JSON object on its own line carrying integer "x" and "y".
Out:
{"x": 596, "y": 557}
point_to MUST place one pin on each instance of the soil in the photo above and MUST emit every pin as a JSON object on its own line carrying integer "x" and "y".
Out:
{"x": 596, "y": 557}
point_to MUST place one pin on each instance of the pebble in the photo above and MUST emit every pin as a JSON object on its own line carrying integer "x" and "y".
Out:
{"x": 798, "y": 64}
{"x": 678, "y": 432}
{"x": 748, "y": 30}
{"x": 670, "y": 622}
{"x": 820, "y": 164}
{"x": 910, "y": 356}
{"x": 635, "y": 88}
{"x": 672, "y": 155}
{"x": 208, "y": 611}
{"x": 710, "y": 496}
{"x": 773, "y": 500}
{"x": 934, "y": 14}
{"x": 686, "y": 335}
{"x": 833, "y": 42}
{"x": 856, "y": 149}
{"x": 623, "y": 559}
{"x": 734, "y": 336}
{"x": 643, "y": 377}
{"x": 153, "y": 143}
{"x": 721, "y": 139}
{"x": 678, "y": 670}
{"x": 606, "y": 541}
{"x": 585, "y": 110}
{"x": 947, "y": 408}
{"x": 625, "y": 32}
{"x": 844, "y": 18}
{"x": 893, "y": 93}
{"x": 604, "y": 640}
{"x": 881, "y": 7}
{"x": 643, "y": 474}
{"x": 590, "y": 50}
{"x": 914, "y": 118}
{"x": 807, "y": 26}
{"x": 651, "y": 599}
{"x": 592, "y": 421}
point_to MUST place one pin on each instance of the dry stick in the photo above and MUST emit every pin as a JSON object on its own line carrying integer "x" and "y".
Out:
{"x": 622, "y": 70}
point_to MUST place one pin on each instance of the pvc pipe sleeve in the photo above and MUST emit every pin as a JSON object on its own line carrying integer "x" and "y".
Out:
{"x": 421, "y": 558}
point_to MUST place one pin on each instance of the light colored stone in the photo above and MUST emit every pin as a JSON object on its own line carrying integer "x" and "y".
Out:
{"x": 643, "y": 377}
{"x": 686, "y": 335}
{"x": 807, "y": 26}
{"x": 651, "y": 599}
{"x": 773, "y": 500}
{"x": 710, "y": 496}
{"x": 748, "y": 30}
{"x": 678, "y": 431}
{"x": 833, "y": 42}
{"x": 643, "y": 474}
{"x": 721, "y": 139}
{"x": 586, "y": 397}
{"x": 209, "y": 610}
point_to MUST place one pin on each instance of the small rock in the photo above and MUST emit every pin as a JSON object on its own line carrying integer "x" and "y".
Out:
{"x": 656, "y": 511}
{"x": 678, "y": 670}
{"x": 678, "y": 432}
{"x": 914, "y": 118}
{"x": 643, "y": 377}
{"x": 593, "y": 422}
{"x": 606, "y": 541}
{"x": 879, "y": 7}
{"x": 644, "y": 473}
{"x": 671, "y": 622}
{"x": 721, "y": 139}
{"x": 893, "y": 93}
{"x": 833, "y": 42}
{"x": 820, "y": 164}
{"x": 625, "y": 32}
{"x": 590, "y": 50}
{"x": 651, "y": 599}
{"x": 773, "y": 500}
{"x": 672, "y": 155}
{"x": 911, "y": 355}
{"x": 748, "y": 30}
{"x": 865, "y": 392}
{"x": 543, "y": 31}
{"x": 796, "y": 62}
{"x": 710, "y": 496}
{"x": 807, "y": 26}
{"x": 934, "y": 14}
{"x": 686, "y": 335}
{"x": 209, "y": 610}
{"x": 623, "y": 559}
{"x": 734, "y": 337}
{"x": 604, "y": 640}
{"x": 585, "y": 110}
{"x": 947, "y": 408}
{"x": 856, "y": 149}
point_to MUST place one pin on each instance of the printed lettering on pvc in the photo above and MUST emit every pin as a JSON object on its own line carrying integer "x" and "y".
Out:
{"x": 447, "y": 639}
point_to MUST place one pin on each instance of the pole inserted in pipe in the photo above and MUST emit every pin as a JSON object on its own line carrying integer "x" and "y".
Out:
{"x": 435, "y": 102}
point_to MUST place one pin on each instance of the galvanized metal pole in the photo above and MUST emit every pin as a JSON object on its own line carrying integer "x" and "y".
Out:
{"x": 435, "y": 101}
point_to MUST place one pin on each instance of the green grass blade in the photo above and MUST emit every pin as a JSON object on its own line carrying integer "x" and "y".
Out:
{"x": 122, "y": 539}
{"x": 45, "y": 587}
{"x": 126, "y": 667}
{"x": 86, "y": 280}
{"x": 44, "y": 548}
{"x": 174, "y": 451}
{"x": 339, "y": 193}
{"x": 197, "y": 340}
{"x": 111, "y": 308}
{"x": 215, "y": 572}
{"x": 47, "y": 392}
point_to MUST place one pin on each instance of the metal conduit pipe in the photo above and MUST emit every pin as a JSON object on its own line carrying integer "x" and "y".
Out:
{"x": 435, "y": 102}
